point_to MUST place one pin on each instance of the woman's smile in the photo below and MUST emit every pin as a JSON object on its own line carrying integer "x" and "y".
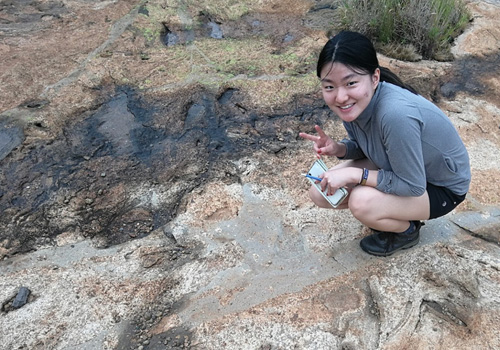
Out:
{"x": 346, "y": 107}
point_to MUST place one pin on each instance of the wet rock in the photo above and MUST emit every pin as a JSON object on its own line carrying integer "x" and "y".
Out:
{"x": 10, "y": 138}
{"x": 449, "y": 90}
{"x": 171, "y": 39}
{"x": 174, "y": 34}
{"x": 143, "y": 10}
{"x": 216, "y": 30}
{"x": 21, "y": 298}
{"x": 288, "y": 38}
{"x": 226, "y": 96}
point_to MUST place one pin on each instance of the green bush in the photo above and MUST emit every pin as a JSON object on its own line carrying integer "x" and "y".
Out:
{"x": 426, "y": 27}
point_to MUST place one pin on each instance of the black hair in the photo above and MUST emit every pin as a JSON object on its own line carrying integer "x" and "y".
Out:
{"x": 357, "y": 52}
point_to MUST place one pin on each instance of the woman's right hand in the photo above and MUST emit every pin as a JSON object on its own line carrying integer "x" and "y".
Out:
{"x": 323, "y": 144}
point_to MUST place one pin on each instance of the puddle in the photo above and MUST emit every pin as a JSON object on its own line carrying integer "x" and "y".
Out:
{"x": 171, "y": 35}
{"x": 215, "y": 30}
{"x": 174, "y": 34}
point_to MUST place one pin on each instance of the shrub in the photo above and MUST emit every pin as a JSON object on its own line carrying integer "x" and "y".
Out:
{"x": 427, "y": 26}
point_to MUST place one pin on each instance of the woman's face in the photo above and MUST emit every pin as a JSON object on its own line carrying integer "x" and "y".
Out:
{"x": 346, "y": 92}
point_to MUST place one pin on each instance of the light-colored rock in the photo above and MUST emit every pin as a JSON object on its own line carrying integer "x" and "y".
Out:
{"x": 245, "y": 261}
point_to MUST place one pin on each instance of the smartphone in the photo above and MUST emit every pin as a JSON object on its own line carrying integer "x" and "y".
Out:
{"x": 317, "y": 169}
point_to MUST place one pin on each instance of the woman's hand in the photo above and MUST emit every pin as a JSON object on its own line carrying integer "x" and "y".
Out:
{"x": 323, "y": 144}
{"x": 333, "y": 179}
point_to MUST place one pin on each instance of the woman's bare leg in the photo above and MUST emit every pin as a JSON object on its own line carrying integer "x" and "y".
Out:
{"x": 387, "y": 212}
{"x": 375, "y": 209}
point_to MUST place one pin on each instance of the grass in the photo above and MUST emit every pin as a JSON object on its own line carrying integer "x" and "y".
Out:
{"x": 221, "y": 9}
{"x": 250, "y": 57}
{"x": 405, "y": 29}
{"x": 426, "y": 27}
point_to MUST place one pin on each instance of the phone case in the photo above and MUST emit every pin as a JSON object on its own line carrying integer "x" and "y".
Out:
{"x": 317, "y": 169}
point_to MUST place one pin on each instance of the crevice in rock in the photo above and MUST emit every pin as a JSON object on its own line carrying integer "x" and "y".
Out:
{"x": 444, "y": 311}
{"x": 404, "y": 319}
{"x": 488, "y": 239}
{"x": 374, "y": 310}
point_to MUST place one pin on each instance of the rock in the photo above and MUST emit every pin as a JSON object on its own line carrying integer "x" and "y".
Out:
{"x": 154, "y": 194}
{"x": 10, "y": 138}
{"x": 21, "y": 298}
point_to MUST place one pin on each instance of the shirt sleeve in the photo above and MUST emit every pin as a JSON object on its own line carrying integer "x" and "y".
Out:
{"x": 402, "y": 137}
{"x": 353, "y": 151}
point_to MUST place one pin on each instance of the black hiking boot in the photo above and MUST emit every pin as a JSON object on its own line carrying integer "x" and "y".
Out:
{"x": 383, "y": 243}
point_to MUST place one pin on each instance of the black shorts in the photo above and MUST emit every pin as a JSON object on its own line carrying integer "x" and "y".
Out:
{"x": 442, "y": 200}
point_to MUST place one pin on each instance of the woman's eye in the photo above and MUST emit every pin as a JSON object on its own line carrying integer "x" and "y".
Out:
{"x": 351, "y": 83}
{"x": 328, "y": 87}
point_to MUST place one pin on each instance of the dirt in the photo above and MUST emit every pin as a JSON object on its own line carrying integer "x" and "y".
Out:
{"x": 150, "y": 175}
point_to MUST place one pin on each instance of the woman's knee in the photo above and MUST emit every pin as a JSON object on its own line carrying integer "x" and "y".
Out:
{"x": 360, "y": 202}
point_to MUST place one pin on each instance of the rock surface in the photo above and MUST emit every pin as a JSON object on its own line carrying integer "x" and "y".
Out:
{"x": 151, "y": 194}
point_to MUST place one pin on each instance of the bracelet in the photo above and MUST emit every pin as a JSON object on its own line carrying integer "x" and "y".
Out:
{"x": 364, "y": 177}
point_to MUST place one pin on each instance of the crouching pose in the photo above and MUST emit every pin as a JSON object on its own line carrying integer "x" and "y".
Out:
{"x": 404, "y": 160}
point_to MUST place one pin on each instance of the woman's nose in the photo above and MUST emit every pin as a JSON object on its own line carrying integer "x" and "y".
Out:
{"x": 341, "y": 95}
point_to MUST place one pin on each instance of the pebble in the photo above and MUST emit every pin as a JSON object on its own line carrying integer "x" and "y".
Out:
{"x": 21, "y": 298}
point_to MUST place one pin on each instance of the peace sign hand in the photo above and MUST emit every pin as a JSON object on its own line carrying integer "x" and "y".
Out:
{"x": 323, "y": 144}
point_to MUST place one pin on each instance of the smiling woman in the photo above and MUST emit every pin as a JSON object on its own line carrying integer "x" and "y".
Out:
{"x": 405, "y": 160}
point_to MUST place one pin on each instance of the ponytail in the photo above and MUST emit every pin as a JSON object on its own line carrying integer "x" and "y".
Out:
{"x": 388, "y": 76}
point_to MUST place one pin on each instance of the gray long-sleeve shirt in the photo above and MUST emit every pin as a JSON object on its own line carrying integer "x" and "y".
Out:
{"x": 411, "y": 141}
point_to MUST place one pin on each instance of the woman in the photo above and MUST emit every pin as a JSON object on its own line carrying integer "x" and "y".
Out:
{"x": 405, "y": 161}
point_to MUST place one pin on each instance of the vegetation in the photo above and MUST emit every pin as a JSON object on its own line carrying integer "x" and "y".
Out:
{"x": 221, "y": 9}
{"x": 410, "y": 28}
